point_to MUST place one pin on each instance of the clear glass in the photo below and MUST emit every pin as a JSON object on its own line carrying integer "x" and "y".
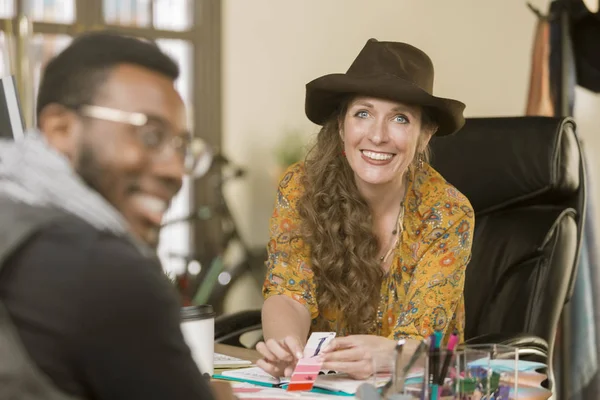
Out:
{"x": 463, "y": 374}
{"x": 5, "y": 54}
{"x": 469, "y": 375}
{"x": 7, "y": 8}
{"x": 170, "y": 15}
{"x": 504, "y": 362}
{"x": 173, "y": 15}
{"x": 42, "y": 49}
{"x": 174, "y": 247}
{"x": 399, "y": 381}
{"x": 182, "y": 52}
{"x": 127, "y": 12}
{"x": 56, "y": 11}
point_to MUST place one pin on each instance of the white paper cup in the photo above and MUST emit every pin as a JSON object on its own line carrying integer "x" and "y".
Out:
{"x": 198, "y": 327}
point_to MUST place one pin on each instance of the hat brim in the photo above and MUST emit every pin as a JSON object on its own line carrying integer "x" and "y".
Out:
{"x": 324, "y": 95}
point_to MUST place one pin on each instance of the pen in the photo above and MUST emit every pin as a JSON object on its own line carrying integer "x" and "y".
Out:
{"x": 426, "y": 373}
{"x": 436, "y": 339}
{"x": 452, "y": 342}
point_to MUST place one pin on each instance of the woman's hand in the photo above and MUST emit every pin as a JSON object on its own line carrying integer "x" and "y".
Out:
{"x": 279, "y": 356}
{"x": 354, "y": 354}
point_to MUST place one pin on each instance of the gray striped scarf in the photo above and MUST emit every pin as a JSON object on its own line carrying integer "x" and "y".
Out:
{"x": 33, "y": 172}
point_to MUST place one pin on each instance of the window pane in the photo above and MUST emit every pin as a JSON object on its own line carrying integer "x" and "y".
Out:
{"x": 7, "y": 8}
{"x": 173, "y": 15}
{"x": 181, "y": 51}
{"x": 5, "y": 55}
{"x": 58, "y": 11}
{"x": 174, "y": 239}
{"x": 127, "y": 12}
{"x": 42, "y": 49}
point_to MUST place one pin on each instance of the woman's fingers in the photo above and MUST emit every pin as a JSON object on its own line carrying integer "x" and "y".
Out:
{"x": 341, "y": 343}
{"x": 294, "y": 347}
{"x": 262, "y": 348}
{"x": 269, "y": 368}
{"x": 356, "y": 369}
{"x": 348, "y": 354}
{"x": 280, "y": 356}
{"x": 288, "y": 371}
{"x": 280, "y": 350}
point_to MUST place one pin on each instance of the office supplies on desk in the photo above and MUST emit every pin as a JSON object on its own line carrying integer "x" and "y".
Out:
{"x": 254, "y": 375}
{"x": 434, "y": 363}
{"x": 223, "y": 361}
{"x": 452, "y": 342}
{"x": 396, "y": 382}
{"x": 307, "y": 369}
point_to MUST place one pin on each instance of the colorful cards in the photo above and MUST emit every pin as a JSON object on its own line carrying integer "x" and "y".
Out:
{"x": 308, "y": 367}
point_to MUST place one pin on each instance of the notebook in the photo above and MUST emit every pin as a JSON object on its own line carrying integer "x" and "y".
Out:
{"x": 222, "y": 361}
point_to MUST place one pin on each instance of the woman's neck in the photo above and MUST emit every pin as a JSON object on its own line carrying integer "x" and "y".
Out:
{"x": 384, "y": 199}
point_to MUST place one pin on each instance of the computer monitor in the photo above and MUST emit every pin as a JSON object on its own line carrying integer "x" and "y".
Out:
{"x": 11, "y": 118}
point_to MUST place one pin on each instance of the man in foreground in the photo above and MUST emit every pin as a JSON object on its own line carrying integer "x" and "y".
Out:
{"x": 85, "y": 292}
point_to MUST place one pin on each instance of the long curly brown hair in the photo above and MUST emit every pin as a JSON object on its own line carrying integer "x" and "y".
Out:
{"x": 337, "y": 225}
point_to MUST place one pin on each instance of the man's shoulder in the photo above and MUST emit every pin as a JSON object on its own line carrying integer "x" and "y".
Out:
{"x": 83, "y": 267}
{"x": 70, "y": 245}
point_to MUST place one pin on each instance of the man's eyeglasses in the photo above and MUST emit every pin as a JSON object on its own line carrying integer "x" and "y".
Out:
{"x": 154, "y": 133}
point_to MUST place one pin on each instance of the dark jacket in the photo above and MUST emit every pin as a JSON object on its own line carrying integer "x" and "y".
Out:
{"x": 84, "y": 315}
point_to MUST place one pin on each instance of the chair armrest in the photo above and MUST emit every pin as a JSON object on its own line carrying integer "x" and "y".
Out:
{"x": 530, "y": 347}
{"x": 229, "y": 328}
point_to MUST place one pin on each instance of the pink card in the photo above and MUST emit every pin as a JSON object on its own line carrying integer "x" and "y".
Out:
{"x": 308, "y": 367}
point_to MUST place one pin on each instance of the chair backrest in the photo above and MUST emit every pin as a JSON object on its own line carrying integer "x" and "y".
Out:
{"x": 525, "y": 179}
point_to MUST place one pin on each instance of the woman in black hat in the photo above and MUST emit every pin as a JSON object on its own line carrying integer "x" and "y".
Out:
{"x": 367, "y": 239}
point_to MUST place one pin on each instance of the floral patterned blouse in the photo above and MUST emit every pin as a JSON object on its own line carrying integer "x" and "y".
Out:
{"x": 423, "y": 290}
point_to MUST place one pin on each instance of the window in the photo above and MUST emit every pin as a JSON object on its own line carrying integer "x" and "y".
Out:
{"x": 169, "y": 22}
{"x": 169, "y": 15}
{"x": 7, "y": 8}
{"x": 57, "y": 11}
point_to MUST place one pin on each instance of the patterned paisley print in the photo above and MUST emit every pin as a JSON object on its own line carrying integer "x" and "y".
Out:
{"x": 423, "y": 290}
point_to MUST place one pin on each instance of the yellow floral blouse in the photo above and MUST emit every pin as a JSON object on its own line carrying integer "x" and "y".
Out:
{"x": 423, "y": 290}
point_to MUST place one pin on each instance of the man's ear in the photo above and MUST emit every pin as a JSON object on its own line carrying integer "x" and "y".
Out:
{"x": 60, "y": 126}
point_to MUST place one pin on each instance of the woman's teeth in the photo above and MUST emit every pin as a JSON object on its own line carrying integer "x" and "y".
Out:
{"x": 377, "y": 156}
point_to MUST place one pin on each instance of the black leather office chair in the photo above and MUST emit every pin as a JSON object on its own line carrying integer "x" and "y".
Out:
{"x": 525, "y": 179}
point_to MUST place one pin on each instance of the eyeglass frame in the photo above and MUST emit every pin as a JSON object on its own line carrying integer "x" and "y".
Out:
{"x": 193, "y": 147}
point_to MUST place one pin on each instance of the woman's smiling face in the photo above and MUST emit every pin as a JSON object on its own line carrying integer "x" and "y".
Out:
{"x": 380, "y": 139}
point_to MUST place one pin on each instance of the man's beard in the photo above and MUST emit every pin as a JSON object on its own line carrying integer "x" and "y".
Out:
{"x": 89, "y": 170}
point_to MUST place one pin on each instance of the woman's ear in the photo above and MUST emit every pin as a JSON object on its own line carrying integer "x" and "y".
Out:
{"x": 425, "y": 138}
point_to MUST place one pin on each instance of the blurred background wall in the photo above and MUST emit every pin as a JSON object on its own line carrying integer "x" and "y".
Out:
{"x": 245, "y": 64}
{"x": 481, "y": 51}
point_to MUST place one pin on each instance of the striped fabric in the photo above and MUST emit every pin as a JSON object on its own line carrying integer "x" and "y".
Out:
{"x": 31, "y": 171}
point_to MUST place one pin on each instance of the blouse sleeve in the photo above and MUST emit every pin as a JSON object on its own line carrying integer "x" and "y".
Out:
{"x": 288, "y": 264}
{"x": 435, "y": 291}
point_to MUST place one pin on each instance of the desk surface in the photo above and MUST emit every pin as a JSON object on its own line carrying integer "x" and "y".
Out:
{"x": 239, "y": 352}
{"x": 253, "y": 355}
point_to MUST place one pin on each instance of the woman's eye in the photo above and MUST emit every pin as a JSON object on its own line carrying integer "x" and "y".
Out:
{"x": 401, "y": 119}
{"x": 362, "y": 114}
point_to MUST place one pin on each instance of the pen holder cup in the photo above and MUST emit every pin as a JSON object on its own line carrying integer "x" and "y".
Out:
{"x": 463, "y": 374}
{"x": 502, "y": 363}
{"x": 387, "y": 378}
